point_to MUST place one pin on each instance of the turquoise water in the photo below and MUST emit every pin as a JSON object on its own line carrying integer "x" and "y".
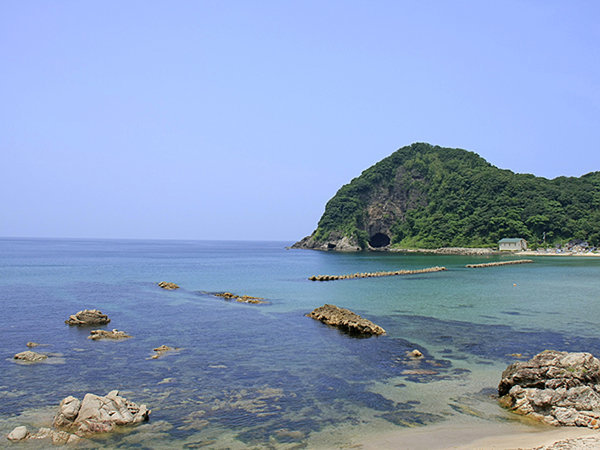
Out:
{"x": 266, "y": 375}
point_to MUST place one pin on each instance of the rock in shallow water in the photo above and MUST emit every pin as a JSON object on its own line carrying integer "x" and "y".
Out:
{"x": 30, "y": 356}
{"x": 55, "y": 436}
{"x": 97, "y": 414}
{"x": 103, "y": 334}
{"x": 168, "y": 285}
{"x": 88, "y": 317}
{"x": 240, "y": 298}
{"x": 558, "y": 388}
{"x": 18, "y": 434}
{"x": 345, "y": 319}
{"x": 160, "y": 351}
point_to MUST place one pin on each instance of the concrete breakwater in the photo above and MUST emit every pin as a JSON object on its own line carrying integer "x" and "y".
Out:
{"x": 499, "y": 263}
{"x": 374, "y": 274}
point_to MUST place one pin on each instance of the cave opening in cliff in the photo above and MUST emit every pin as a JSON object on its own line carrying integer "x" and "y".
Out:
{"x": 379, "y": 240}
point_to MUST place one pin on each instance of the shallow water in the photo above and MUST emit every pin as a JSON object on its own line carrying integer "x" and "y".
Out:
{"x": 265, "y": 375}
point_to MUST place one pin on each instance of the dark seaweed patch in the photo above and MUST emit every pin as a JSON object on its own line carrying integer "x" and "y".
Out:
{"x": 490, "y": 342}
{"x": 410, "y": 418}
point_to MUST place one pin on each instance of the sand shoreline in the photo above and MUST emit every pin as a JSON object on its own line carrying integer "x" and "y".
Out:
{"x": 483, "y": 435}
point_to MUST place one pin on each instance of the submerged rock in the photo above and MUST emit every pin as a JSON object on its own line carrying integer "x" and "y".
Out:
{"x": 345, "y": 319}
{"x": 18, "y": 434}
{"x": 558, "y": 388}
{"x": 103, "y": 334}
{"x": 160, "y": 351}
{"x": 57, "y": 437}
{"x": 30, "y": 356}
{"x": 168, "y": 285}
{"x": 97, "y": 414}
{"x": 415, "y": 354}
{"x": 32, "y": 344}
{"x": 240, "y": 298}
{"x": 88, "y": 317}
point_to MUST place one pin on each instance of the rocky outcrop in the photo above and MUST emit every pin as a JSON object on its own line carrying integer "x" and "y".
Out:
{"x": 97, "y": 414}
{"x": 32, "y": 344}
{"x": 103, "y": 334}
{"x": 240, "y": 298}
{"x": 88, "y": 317}
{"x": 557, "y": 388}
{"x": 29, "y": 356}
{"x": 346, "y": 320}
{"x": 335, "y": 242}
{"x": 76, "y": 419}
{"x": 168, "y": 285}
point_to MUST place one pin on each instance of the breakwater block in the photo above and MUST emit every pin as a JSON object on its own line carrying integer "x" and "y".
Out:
{"x": 374, "y": 274}
{"x": 499, "y": 263}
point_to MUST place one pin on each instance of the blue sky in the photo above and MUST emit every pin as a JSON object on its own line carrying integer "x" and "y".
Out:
{"x": 239, "y": 120}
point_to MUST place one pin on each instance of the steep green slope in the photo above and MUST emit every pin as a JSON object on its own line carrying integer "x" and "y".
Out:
{"x": 427, "y": 197}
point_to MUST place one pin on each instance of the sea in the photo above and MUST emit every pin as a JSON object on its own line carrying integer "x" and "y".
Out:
{"x": 265, "y": 375}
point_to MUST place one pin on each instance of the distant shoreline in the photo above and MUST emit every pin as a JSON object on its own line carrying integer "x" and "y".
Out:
{"x": 468, "y": 251}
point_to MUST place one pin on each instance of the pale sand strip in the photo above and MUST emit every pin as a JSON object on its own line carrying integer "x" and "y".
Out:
{"x": 483, "y": 436}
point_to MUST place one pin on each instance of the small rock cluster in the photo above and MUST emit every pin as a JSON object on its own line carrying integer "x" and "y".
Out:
{"x": 168, "y": 285}
{"x": 76, "y": 419}
{"x": 557, "y": 388}
{"x": 345, "y": 320}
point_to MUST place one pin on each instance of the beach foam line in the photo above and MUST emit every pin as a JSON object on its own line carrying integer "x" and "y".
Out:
{"x": 374, "y": 274}
{"x": 499, "y": 263}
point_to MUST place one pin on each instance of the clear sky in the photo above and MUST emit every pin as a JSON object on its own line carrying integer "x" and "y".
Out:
{"x": 240, "y": 119}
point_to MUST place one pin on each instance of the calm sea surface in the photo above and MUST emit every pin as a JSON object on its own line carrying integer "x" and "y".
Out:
{"x": 266, "y": 375}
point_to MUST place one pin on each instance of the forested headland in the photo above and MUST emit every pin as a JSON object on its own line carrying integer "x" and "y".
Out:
{"x": 425, "y": 196}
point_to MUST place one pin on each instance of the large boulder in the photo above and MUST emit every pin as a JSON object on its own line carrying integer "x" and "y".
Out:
{"x": 345, "y": 320}
{"x": 88, "y": 317}
{"x": 97, "y": 414}
{"x": 558, "y": 388}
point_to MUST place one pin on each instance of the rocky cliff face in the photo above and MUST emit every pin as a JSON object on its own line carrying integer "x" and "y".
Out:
{"x": 375, "y": 210}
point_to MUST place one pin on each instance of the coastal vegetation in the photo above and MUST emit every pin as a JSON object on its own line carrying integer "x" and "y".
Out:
{"x": 425, "y": 196}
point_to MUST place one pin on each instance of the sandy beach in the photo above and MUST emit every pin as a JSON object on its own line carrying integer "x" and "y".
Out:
{"x": 485, "y": 435}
